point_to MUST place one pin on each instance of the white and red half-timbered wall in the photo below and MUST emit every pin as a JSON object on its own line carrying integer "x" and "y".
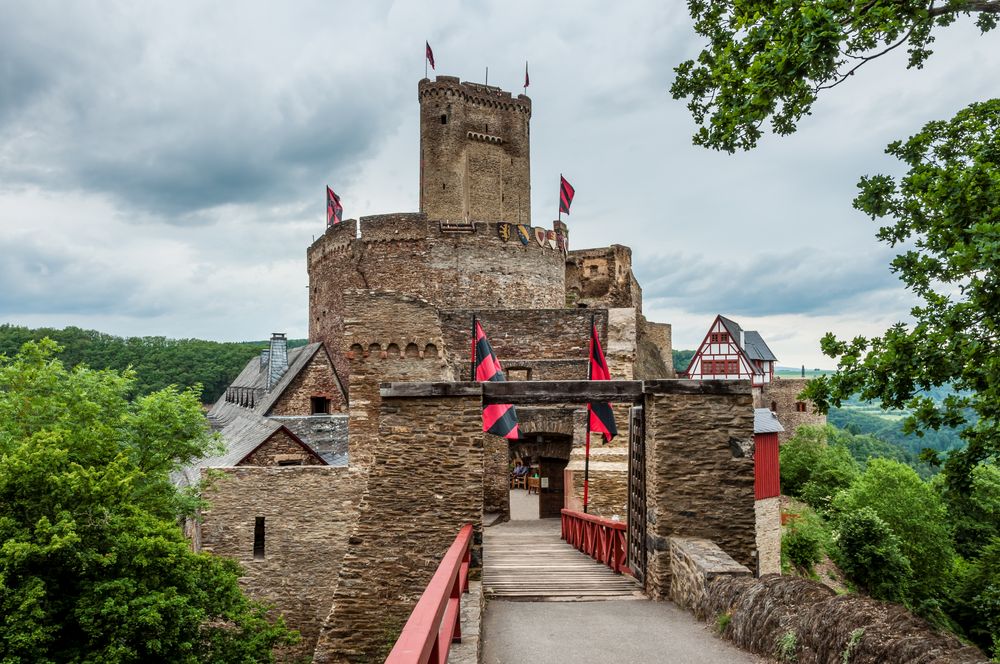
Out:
{"x": 720, "y": 357}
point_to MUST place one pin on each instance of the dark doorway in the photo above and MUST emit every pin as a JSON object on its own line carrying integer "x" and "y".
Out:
{"x": 546, "y": 457}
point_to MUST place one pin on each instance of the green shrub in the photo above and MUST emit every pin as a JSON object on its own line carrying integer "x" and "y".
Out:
{"x": 834, "y": 471}
{"x": 870, "y": 554}
{"x": 722, "y": 621}
{"x": 814, "y": 470}
{"x": 802, "y": 546}
{"x": 975, "y": 603}
{"x": 786, "y": 646}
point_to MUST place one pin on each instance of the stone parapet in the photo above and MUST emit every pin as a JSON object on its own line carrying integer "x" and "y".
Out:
{"x": 695, "y": 563}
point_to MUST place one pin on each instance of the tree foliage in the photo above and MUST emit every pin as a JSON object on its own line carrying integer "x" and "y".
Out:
{"x": 157, "y": 361}
{"x": 93, "y": 565}
{"x": 769, "y": 60}
{"x": 870, "y": 554}
{"x": 815, "y": 465}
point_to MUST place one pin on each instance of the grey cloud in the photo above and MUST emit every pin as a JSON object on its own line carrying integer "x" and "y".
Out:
{"x": 801, "y": 281}
{"x": 174, "y": 129}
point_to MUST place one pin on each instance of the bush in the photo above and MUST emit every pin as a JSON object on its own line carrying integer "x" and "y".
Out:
{"x": 915, "y": 514}
{"x": 975, "y": 603}
{"x": 802, "y": 546}
{"x": 813, "y": 470}
{"x": 870, "y": 554}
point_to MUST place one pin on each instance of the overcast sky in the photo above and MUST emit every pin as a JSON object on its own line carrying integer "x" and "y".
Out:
{"x": 162, "y": 165}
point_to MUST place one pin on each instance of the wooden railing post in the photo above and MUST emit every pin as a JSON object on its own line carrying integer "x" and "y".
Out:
{"x": 601, "y": 539}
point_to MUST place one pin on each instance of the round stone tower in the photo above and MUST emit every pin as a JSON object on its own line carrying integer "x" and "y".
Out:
{"x": 474, "y": 155}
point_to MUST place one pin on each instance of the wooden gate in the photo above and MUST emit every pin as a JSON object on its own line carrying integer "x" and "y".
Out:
{"x": 637, "y": 494}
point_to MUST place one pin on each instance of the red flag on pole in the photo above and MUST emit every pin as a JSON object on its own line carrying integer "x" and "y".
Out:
{"x": 602, "y": 418}
{"x": 334, "y": 210}
{"x": 498, "y": 419}
{"x": 526, "y": 79}
{"x": 429, "y": 54}
{"x": 566, "y": 193}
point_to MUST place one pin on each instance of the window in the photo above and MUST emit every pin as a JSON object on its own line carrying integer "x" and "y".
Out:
{"x": 290, "y": 462}
{"x": 320, "y": 405}
{"x": 258, "y": 538}
{"x": 774, "y": 406}
{"x": 714, "y": 338}
{"x": 723, "y": 338}
{"x": 732, "y": 366}
{"x": 800, "y": 406}
{"x": 444, "y": 119}
{"x": 518, "y": 373}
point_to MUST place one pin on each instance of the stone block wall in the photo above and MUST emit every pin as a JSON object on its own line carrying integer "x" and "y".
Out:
{"x": 409, "y": 516}
{"x": 781, "y": 395}
{"x": 496, "y": 474}
{"x": 316, "y": 379}
{"x": 281, "y": 449}
{"x": 699, "y": 471}
{"x": 660, "y": 338}
{"x": 694, "y": 564}
{"x": 308, "y": 514}
{"x": 602, "y": 278}
{"x": 768, "y": 513}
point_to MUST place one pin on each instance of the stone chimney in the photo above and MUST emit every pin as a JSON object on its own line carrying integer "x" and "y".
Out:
{"x": 277, "y": 359}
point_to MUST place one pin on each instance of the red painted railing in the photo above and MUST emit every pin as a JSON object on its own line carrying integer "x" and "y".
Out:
{"x": 436, "y": 619}
{"x": 601, "y": 539}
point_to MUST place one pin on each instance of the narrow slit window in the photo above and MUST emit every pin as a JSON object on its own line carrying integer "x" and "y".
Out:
{"x": 444, "y": 119}
{"x": 258, "y": 538}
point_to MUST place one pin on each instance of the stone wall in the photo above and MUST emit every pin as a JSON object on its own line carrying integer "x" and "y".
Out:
{"x": 316, "y": 379}
{"x": 474, "y": 152}
{"x": 496, "y": 475}
{"x": 699, "y": 471}
{"x": 409, "y": 516}
{"x": 768, "y": 512}
{"x": 308, "y": 513}
{"x": 659, "y": 337}
{"x": 694, "y": 564}
{"x": 781, "y": 395}
{"x": 280, "y": 449}
{"x": 602, "y": 278}
{"x": 524, "y": 337}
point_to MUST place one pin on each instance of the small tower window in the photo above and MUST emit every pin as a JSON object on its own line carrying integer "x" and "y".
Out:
{"x": 774, "y": 406}
{"x": 320, "y": 405}
{"x": 258, "y": 538}
{"x": 486, "y": 128}
{"x": 444, "y": 119}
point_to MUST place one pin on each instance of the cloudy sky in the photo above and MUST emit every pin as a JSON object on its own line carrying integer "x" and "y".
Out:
{"x": 162, "y": 164}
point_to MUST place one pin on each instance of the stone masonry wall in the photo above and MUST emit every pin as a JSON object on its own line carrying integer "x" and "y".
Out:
{"x": 308, "y": 513}
{"x": 699, "y": 471}
{"x": 781, "y": 396}
{"x": 768, "y": 512}
{"x": 409, "y": 516}
{"x": 659, "y": 336}
{"x": 526, "y": 337}
{"x": 281, "y": 449}
{"x": 496, "y": 475}
{"x": 315, "y": 380}
{"x": 602, "y": 278}
{"x": 694, "y": 564}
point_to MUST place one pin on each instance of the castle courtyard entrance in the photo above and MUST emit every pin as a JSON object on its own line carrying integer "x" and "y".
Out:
{"x": 536, "y": 490}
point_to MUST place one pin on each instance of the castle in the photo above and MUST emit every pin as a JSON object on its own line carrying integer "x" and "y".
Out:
{"x": 331, "y": 470}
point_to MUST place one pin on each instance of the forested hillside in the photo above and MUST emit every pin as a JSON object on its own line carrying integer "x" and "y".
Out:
{"x": 157, "y": 361}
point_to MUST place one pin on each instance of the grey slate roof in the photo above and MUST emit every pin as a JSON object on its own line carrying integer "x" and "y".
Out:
{"x": 765, "y": 421}
{"x": 242, "y": 429}
{"x": 753, "y": 344}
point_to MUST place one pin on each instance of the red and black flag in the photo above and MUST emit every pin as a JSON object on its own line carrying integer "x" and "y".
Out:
{"x": 527, "y": 81}
{"x": 566, "y": 193}
{"x": 334, "y": 210}
{"x": 498, "y": 419}
{"x": 429, "y": 54}
{"x": 602, "y": 418}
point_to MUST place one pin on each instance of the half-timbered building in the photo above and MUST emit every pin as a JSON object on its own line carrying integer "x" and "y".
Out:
{"x": 730, "y": 352}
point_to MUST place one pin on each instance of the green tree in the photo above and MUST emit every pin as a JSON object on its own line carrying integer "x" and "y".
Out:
{"x": 871, "y": 555}
{"x": 977, "y": 598}
{"x": 770, "y": 60}
{"x": 93, "y": 565}
{"x": 815, "y": 465}
{"x": 915, "y": 514}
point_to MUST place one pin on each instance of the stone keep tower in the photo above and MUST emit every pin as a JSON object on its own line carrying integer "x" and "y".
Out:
{"x": 474, "y": 157}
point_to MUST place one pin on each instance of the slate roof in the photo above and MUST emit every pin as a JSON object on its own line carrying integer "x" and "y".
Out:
{"x": 765, "y": 421}
{"x": 242, "y": 429}
{"x": 753, "y": 344}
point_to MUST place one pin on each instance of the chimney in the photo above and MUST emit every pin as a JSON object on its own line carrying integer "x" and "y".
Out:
{"x": 803, "y": 371}
{"x": 265, "y": 356}
{"x": 743, "y": 344}
{"x": 277, "y": 359}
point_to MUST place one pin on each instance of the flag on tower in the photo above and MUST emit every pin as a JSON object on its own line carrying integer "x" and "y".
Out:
{"x": 526, "y": 79}
{"x": 429, "y": 54}
{"x": 602, "y": 418}
{"x": 498, "y": 419}
{"x": 334, "y": 210}
{"x": 566, "y": 193}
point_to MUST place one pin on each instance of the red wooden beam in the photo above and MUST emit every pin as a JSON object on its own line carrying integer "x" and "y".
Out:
{"x": 436, "y": 619}
{"x": 601, "y": 539}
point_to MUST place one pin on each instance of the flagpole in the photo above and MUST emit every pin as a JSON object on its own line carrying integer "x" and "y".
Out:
{"x": 586, "y": 458}
{"x": 472, "y": 373}
{"x": 559, "y": 217}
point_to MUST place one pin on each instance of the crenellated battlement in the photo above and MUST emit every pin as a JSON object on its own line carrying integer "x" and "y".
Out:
{"x": 477, "y": 94}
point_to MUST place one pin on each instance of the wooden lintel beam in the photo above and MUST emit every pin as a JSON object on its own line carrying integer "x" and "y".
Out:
{"x": 562, "y": 391}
